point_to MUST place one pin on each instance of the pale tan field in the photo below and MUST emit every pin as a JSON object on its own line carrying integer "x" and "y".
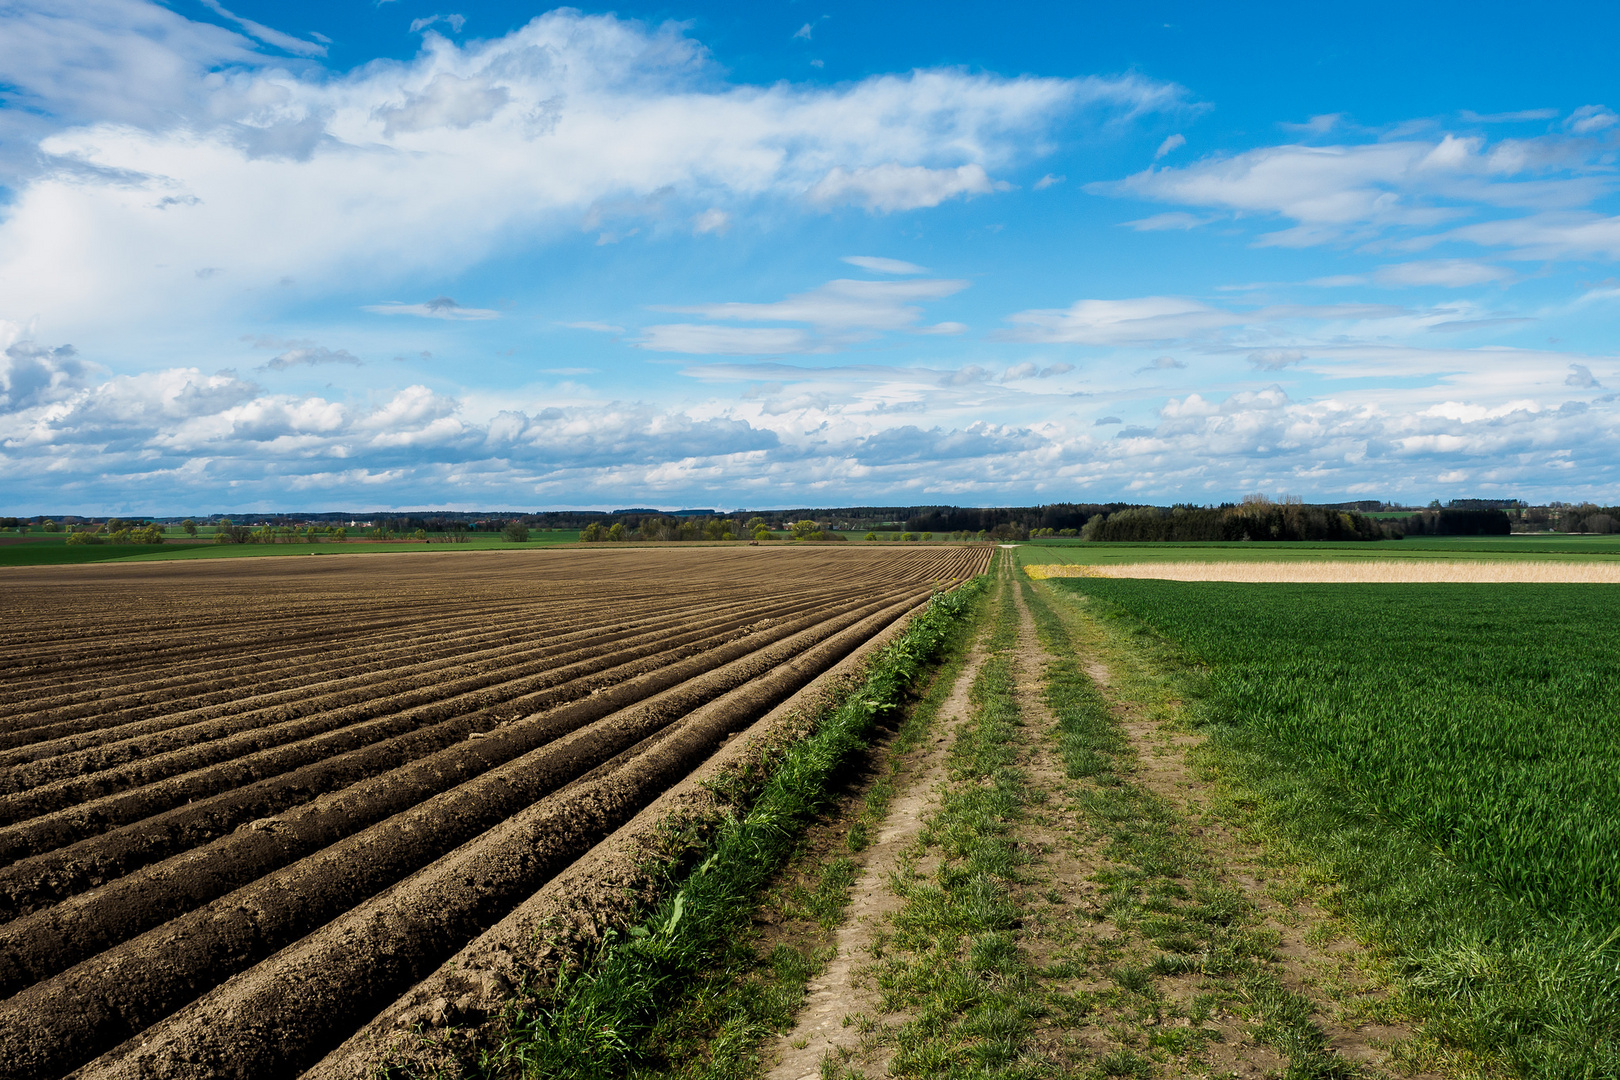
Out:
{"x": 1392, "y": 570}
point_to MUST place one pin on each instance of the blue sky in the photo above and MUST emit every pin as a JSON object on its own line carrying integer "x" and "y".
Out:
{"x": 261, "y": 256}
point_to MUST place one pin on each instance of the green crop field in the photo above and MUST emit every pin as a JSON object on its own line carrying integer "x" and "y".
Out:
{"x": 1481, "y": 723}
{"x": 1555, "y": 548}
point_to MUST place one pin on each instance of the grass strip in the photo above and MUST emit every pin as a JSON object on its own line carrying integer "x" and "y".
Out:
{"x": 602, "y": 1018}
{"x": 951, "y": 961}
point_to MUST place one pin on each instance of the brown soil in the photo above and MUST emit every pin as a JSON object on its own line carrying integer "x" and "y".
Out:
{"x": 231, "y": 875}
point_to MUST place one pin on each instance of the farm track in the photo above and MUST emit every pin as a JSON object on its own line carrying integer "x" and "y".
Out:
{"x": 230, "y": 857}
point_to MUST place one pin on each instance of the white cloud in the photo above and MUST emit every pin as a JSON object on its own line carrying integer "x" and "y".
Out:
{"x": 599, "y": 327}
{"x": 1580, "y": 376}
{"x": 729, "y": 340}
{"x": 1049, "y": 180}
{"x": 1361, "y": 191}
{"x": 1567, "y": 235}
{"x": 269, "y": 36}
{"x": 1499, "y": 420}
{"x": 32, "y": 375}
{"x": 1161, "y": 363}
{"x": 310, "y": 357}
{"x": 1589, "y": 119}
{"x": 1275, "y": 359}
{"x": 839, "y": 313}
{"x": 711, "y": 221}
{"x": 455, "y": 22}
{"x": 1174, "y": 219}
{"x": 440, "y": 307}
{"x": 447, "y": 102}
{"x": 1518, "y": 117}
{"x": 1120, "y": 322}
{"x": 879, "y": 265}
{"x": 1170, "y": 145}
{"x": 402, "y": 168}
{"x": 892, "y": 187}
{"x": 1449, "y": 273}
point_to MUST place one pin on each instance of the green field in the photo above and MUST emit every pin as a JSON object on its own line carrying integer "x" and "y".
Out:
{"x": 1577, "y": 548}
{"x": 1478, "y": 726}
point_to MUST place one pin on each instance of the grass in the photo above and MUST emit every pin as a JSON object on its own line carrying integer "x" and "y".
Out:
{"x": 683, "y": 993}
{"x": 1443, "y": 763}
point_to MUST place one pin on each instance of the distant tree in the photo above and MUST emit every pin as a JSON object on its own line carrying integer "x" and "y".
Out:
{"x": 755, "y": 524}
{"x": 591, "y": 534}
{"x": 616, "y": 532}
{"x": 804, "y": 530}
{"x": 927, "y": 536}
{"x": 190, "y": 527}
{"x": 50, "y": 526}
{"x": 762, "y": 533}
{"x": 870, "y": 536}
{"x": 340, "y": 535}
{"x": 516, "y": 532}
{"x": 420, "y": 535}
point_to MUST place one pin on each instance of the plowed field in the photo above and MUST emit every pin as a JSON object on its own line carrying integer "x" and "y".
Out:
{"x": 245, "y": 807}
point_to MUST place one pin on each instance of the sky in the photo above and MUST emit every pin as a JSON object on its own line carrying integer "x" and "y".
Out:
{"x": 391, "y": 254}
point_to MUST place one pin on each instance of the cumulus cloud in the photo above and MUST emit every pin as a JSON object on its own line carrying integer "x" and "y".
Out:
{"x": 1580, "y": 376}
{"x": 1049, "y": 180}
{"x": 440, "y": 307}
{"x": 32, "y": 375}
{"x": 798, "y": 430}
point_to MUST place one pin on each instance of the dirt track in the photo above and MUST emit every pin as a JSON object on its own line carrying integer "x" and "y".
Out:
{"x": 245, "y": 806}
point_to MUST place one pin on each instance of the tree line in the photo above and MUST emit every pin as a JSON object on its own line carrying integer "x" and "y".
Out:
{"x": 1255, "y": 518}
